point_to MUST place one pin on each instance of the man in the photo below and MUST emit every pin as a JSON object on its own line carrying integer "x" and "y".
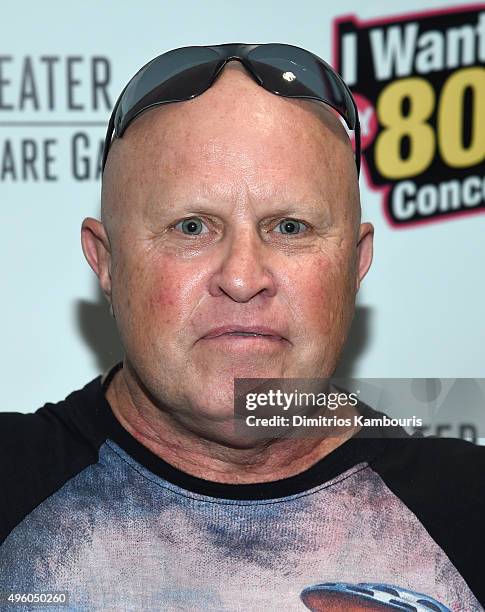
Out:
{"x": 230, "y": 246}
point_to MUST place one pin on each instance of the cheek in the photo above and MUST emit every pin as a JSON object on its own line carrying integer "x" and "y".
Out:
{"x": 146, "y": 289}
{"x": 166, "y": 302}
{"x": 171, "y": 292}
{"x": 322, "y": 295}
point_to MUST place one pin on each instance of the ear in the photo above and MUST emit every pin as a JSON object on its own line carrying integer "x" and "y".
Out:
{"x": 365, "y": 248}
{"x": 97, "y": 251}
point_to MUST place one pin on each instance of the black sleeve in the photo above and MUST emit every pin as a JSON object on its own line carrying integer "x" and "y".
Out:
{"x": 39, "y": 452}
{"x": 442, "y": 481}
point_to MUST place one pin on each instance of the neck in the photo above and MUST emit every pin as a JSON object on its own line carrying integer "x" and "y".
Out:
{"x": 198, "y": 455}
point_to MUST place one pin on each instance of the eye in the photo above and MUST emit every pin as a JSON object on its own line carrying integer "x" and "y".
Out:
{"x": 192, "y": 226}
{"x": 291, "y": 226}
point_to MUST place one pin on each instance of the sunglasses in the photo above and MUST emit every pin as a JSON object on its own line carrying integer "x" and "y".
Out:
{"x": 184, "y": 73}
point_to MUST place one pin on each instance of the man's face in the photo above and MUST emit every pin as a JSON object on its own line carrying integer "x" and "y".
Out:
{"x": 237, "y": 208}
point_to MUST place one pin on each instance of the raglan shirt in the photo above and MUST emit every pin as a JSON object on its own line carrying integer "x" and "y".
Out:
{"x": 378, "y": 524}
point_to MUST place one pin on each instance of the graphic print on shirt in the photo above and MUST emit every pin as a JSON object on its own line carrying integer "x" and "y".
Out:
{"x": 118, "y": 537}
{"x": 335, "y": 597}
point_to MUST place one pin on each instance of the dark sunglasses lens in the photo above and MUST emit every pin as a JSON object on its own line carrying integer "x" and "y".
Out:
{"x": 295, "y": 72}
{"x": 173, "y": 76}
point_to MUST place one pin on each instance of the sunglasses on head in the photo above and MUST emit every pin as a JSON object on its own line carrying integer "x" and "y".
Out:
{"x": 187, "y": 72}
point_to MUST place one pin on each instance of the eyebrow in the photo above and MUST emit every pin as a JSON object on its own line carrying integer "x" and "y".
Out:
{"x": 321, "y": 215}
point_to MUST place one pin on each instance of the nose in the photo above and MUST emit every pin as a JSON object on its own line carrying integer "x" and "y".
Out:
{"x": 243, "y": 270}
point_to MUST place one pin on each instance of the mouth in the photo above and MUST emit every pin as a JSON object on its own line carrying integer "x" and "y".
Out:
{"x": 248, "y": 336}
{"x": 253, "y": 332}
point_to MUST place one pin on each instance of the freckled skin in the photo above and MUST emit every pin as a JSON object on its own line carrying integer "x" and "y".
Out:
{"x": 240, "y": 160}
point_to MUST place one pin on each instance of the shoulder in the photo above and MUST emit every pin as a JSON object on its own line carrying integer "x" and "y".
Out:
{"x": 40, "y": 451}
{"x": 429, "y": 468}
{"x": 38, "y": 434}
{"x": 437, "y": 477}
{"x": 442, "y": 465}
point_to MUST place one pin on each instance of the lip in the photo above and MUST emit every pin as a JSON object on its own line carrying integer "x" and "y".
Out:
{"x": 266, "y": 332}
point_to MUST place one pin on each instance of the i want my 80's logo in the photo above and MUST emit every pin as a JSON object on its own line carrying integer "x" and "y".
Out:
{"x": 419, "y": 84}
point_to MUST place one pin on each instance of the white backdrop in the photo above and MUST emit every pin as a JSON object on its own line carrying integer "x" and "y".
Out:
{"x": 420, "y": 310}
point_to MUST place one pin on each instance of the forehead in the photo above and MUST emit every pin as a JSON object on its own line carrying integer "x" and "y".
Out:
{"x": 235, "y": 133}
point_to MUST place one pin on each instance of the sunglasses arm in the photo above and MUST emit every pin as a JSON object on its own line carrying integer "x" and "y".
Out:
{"x": 357, "y": 145}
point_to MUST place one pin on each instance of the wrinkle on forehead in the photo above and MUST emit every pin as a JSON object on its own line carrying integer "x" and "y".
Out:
{"x": 240, "y": 122}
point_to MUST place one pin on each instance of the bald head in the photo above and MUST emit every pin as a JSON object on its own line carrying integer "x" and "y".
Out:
{"x": 234, "y": 123}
